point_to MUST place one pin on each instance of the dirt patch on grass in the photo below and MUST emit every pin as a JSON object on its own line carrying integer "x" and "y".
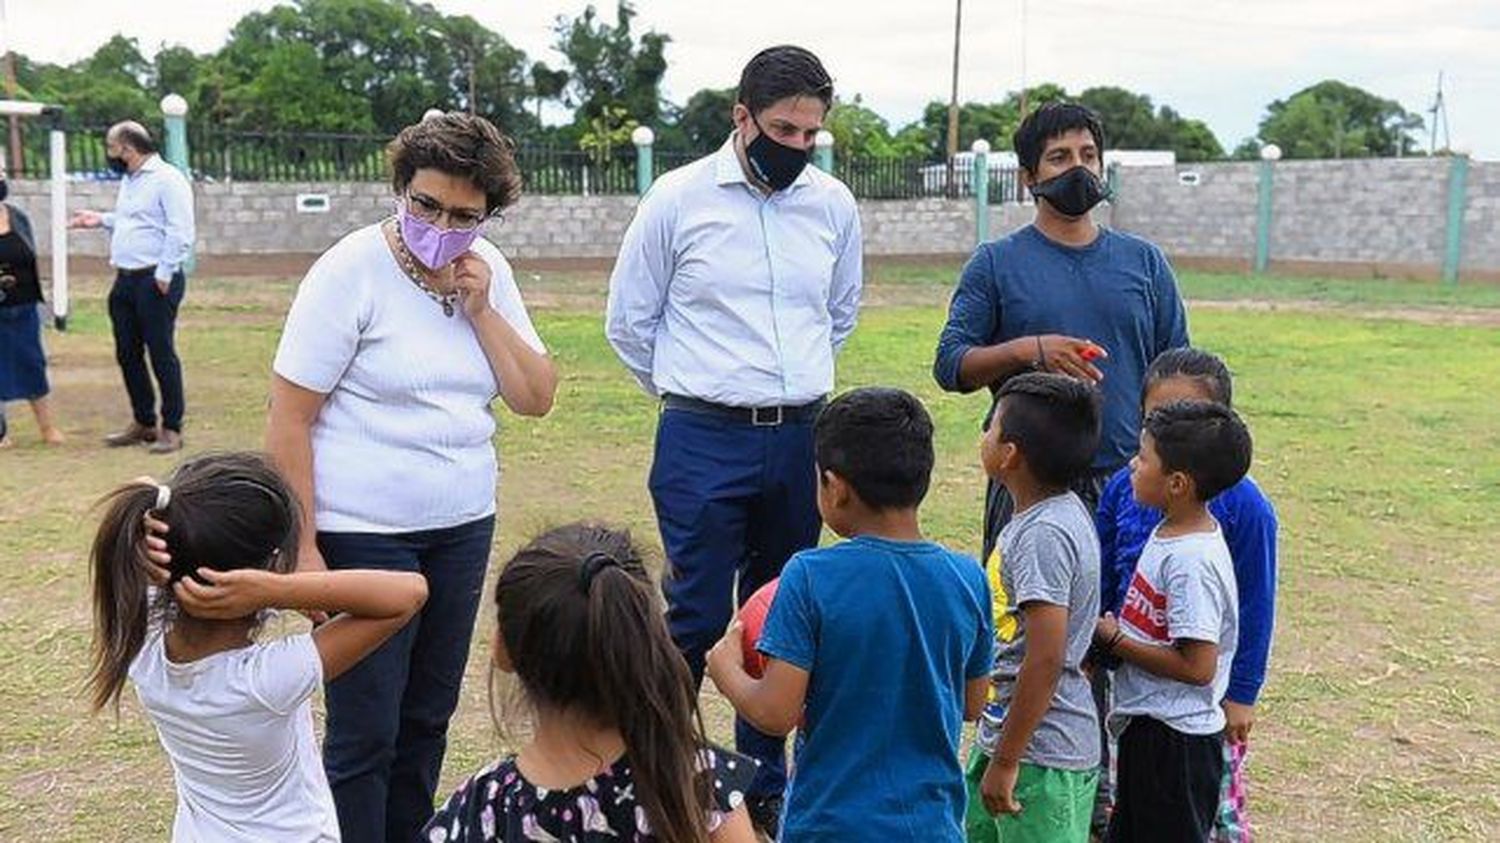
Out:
{"x": 1457, "y": 316}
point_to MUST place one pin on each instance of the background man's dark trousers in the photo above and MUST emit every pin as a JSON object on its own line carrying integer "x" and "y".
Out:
{"x": 734, "y": 501}
{"x": 144, "y": 320}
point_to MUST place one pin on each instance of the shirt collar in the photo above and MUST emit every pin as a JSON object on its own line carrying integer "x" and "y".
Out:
{"x": 727, "y": 168}
{"x": 152, "y": 163}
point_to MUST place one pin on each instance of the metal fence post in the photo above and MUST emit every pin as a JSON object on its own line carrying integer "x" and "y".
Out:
{"x": 174, "y": 111}
{"x": 981, "y": 178}
{"x": 1458, "y": 185}
{"x": 823, "y": 151}
{"x": 1268, "y": 157}
{"x": 643, "y": 138}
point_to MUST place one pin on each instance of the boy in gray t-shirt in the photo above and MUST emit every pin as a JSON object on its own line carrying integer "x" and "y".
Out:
{"x": 1039, "y": 734}
{"x": 1177, "y": 630}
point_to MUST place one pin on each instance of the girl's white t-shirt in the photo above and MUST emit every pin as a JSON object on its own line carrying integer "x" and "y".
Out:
{"x": 404, "y": 439}
{"x": 238, "y": 728}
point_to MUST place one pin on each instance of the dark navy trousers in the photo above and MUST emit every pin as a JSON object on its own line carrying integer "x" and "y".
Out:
{"x": 144, "y": 319}
{"x": 734, "y": 501}
{"x": 388, "y": 715}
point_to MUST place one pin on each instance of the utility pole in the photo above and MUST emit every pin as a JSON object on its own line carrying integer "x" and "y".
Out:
{"x": 1023, "y": 60}
{"x": 958, "y": 17}
{"x": 1439, "y": 112}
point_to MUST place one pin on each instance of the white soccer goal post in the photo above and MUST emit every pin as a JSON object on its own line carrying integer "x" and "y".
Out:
{"x": 58, "y": 167}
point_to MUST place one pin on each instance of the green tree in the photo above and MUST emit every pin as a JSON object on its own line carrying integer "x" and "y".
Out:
{"x": 992, "y": 121}
{"x": 1247, "y": 150}
{"x": 701, "y": 124}
{"x": 857, "y": 130}
{"x": 1335, "y": 120}
{"x": 546, "y": 84}
{"x": 289, "y": 92}
{"x": 1191, "y": 140}
{"x": 176, "y": 70}
{"x": 610, "y": 67}
{"x": 108, "y": 86}
{"x": 606, "y": 133}
{"x": 379, "y": 65}
{"x": 1129, "y": 118}
{"x": 1132, "y": 121}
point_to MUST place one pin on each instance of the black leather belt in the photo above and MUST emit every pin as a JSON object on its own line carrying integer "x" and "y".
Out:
{"x": 756, "y": 416}
{"x": 138, "y": 272}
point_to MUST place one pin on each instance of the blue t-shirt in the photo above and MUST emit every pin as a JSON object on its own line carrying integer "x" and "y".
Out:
{"x": 1118, "y": 291}
{"x": 890, "y": 633}
{"x": 1249, "y": 523}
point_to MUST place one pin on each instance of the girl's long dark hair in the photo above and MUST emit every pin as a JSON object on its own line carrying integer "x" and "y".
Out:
{"x": 583, "y": 627}
{"x": 226, "y": 511}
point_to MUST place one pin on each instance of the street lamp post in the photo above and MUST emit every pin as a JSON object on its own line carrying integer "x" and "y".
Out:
{"x": 1269, "y": 155}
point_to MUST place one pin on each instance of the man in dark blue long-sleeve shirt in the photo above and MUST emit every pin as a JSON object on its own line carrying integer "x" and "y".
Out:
{"x": 1063, "y": 295}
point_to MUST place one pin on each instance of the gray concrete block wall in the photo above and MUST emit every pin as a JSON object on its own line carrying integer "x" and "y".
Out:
{"x": 1214, "y": 218}
{"x": 1481, "y": 244}
{"x": 1361, "y": 211}
{"x": 917, "y": 227}
{"x": 1368, "y": 213}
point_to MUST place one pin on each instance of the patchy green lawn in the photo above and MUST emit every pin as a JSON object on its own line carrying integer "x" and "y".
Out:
{"x": 1376, "y": 437}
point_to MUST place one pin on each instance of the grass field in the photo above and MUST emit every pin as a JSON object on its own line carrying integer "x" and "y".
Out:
{"x": 1377, "y": 429}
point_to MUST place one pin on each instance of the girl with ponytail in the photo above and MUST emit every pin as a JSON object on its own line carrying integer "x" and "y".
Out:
{"x": 233, "y": 713}
{"x": 616, "y": 748}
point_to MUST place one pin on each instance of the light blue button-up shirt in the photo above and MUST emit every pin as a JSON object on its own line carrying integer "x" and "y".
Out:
{"x": 152, "y": 223}
{"x": 724, "y": 294}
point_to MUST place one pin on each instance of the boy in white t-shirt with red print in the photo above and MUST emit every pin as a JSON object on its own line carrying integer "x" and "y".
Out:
{"x": 1177, "y": 630}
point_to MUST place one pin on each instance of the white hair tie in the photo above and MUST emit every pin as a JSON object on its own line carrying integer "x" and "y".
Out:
{"x": 163, "y": 497}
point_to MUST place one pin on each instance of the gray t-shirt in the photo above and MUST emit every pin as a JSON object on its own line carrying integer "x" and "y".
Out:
{"x": 1047, "y": 554}
{"x": 1183, "y": 588}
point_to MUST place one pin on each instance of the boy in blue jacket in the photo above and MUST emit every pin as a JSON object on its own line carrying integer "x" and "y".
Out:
{"x": 1249, "y": 523}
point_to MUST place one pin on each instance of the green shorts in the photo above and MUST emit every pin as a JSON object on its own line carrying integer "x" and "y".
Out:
{"x": 1056, "y": 805}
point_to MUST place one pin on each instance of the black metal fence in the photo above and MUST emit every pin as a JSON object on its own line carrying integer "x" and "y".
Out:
{"x": 217, "y": 155}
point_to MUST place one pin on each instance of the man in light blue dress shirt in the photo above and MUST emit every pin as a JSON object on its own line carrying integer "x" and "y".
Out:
{"x": 151, "y": 236}
{"x": 737, "y": 283}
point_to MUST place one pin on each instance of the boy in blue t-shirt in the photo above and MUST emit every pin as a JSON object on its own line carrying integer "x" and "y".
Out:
{"x": 881, "y": 644}
{"x": 1249, "y": 523}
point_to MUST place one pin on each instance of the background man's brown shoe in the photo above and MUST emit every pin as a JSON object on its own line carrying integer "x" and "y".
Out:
{"x": 133, "y": 435}
{"x": 167, "y": 442}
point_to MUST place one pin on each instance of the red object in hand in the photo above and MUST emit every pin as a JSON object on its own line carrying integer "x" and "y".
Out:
{"x": 752, "y": 621}
{"x": 1090, "y": 353}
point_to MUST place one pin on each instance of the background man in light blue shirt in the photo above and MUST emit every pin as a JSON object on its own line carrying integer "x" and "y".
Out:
{"x": 151, "y": 236}
{"x": 737, "y": 283}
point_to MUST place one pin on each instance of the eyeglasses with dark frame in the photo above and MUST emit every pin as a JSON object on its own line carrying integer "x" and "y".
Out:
{"x": 430, "y": 210}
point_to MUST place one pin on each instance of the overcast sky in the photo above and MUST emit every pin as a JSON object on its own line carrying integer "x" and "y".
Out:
{"x": 1218, "y": 60}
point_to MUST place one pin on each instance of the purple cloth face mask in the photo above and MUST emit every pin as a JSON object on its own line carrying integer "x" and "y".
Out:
{"x": 434, "y": 247}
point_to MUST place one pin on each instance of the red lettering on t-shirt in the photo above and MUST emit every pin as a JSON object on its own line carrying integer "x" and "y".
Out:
{"x": 1145, "y": 609}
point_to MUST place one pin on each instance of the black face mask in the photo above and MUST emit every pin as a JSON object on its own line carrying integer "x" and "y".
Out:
{"x": 116, "y": 164}
{"x": 1073, "y": 193}
{"x": 4, "y": 189}
{"x": 775, "y": 164}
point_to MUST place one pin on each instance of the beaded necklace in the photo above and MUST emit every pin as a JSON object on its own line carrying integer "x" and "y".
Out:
{"x": 409, "y": 265}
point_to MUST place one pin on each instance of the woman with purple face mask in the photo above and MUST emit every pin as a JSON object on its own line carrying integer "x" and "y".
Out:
{"x": 399, "y": 340}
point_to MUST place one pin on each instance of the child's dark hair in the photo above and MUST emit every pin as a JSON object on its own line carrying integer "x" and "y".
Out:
{"x": 879, "y": 440}
{"x": 1054, "y": 421}
{"x": 1204, "y": 440}
{"x": 1205, "y": 368}
{"x": 1053, "y": 120}
{"x": 776, "y": 73}
{"x": 223, "y": 511}
{"x": 584, "y": 630}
